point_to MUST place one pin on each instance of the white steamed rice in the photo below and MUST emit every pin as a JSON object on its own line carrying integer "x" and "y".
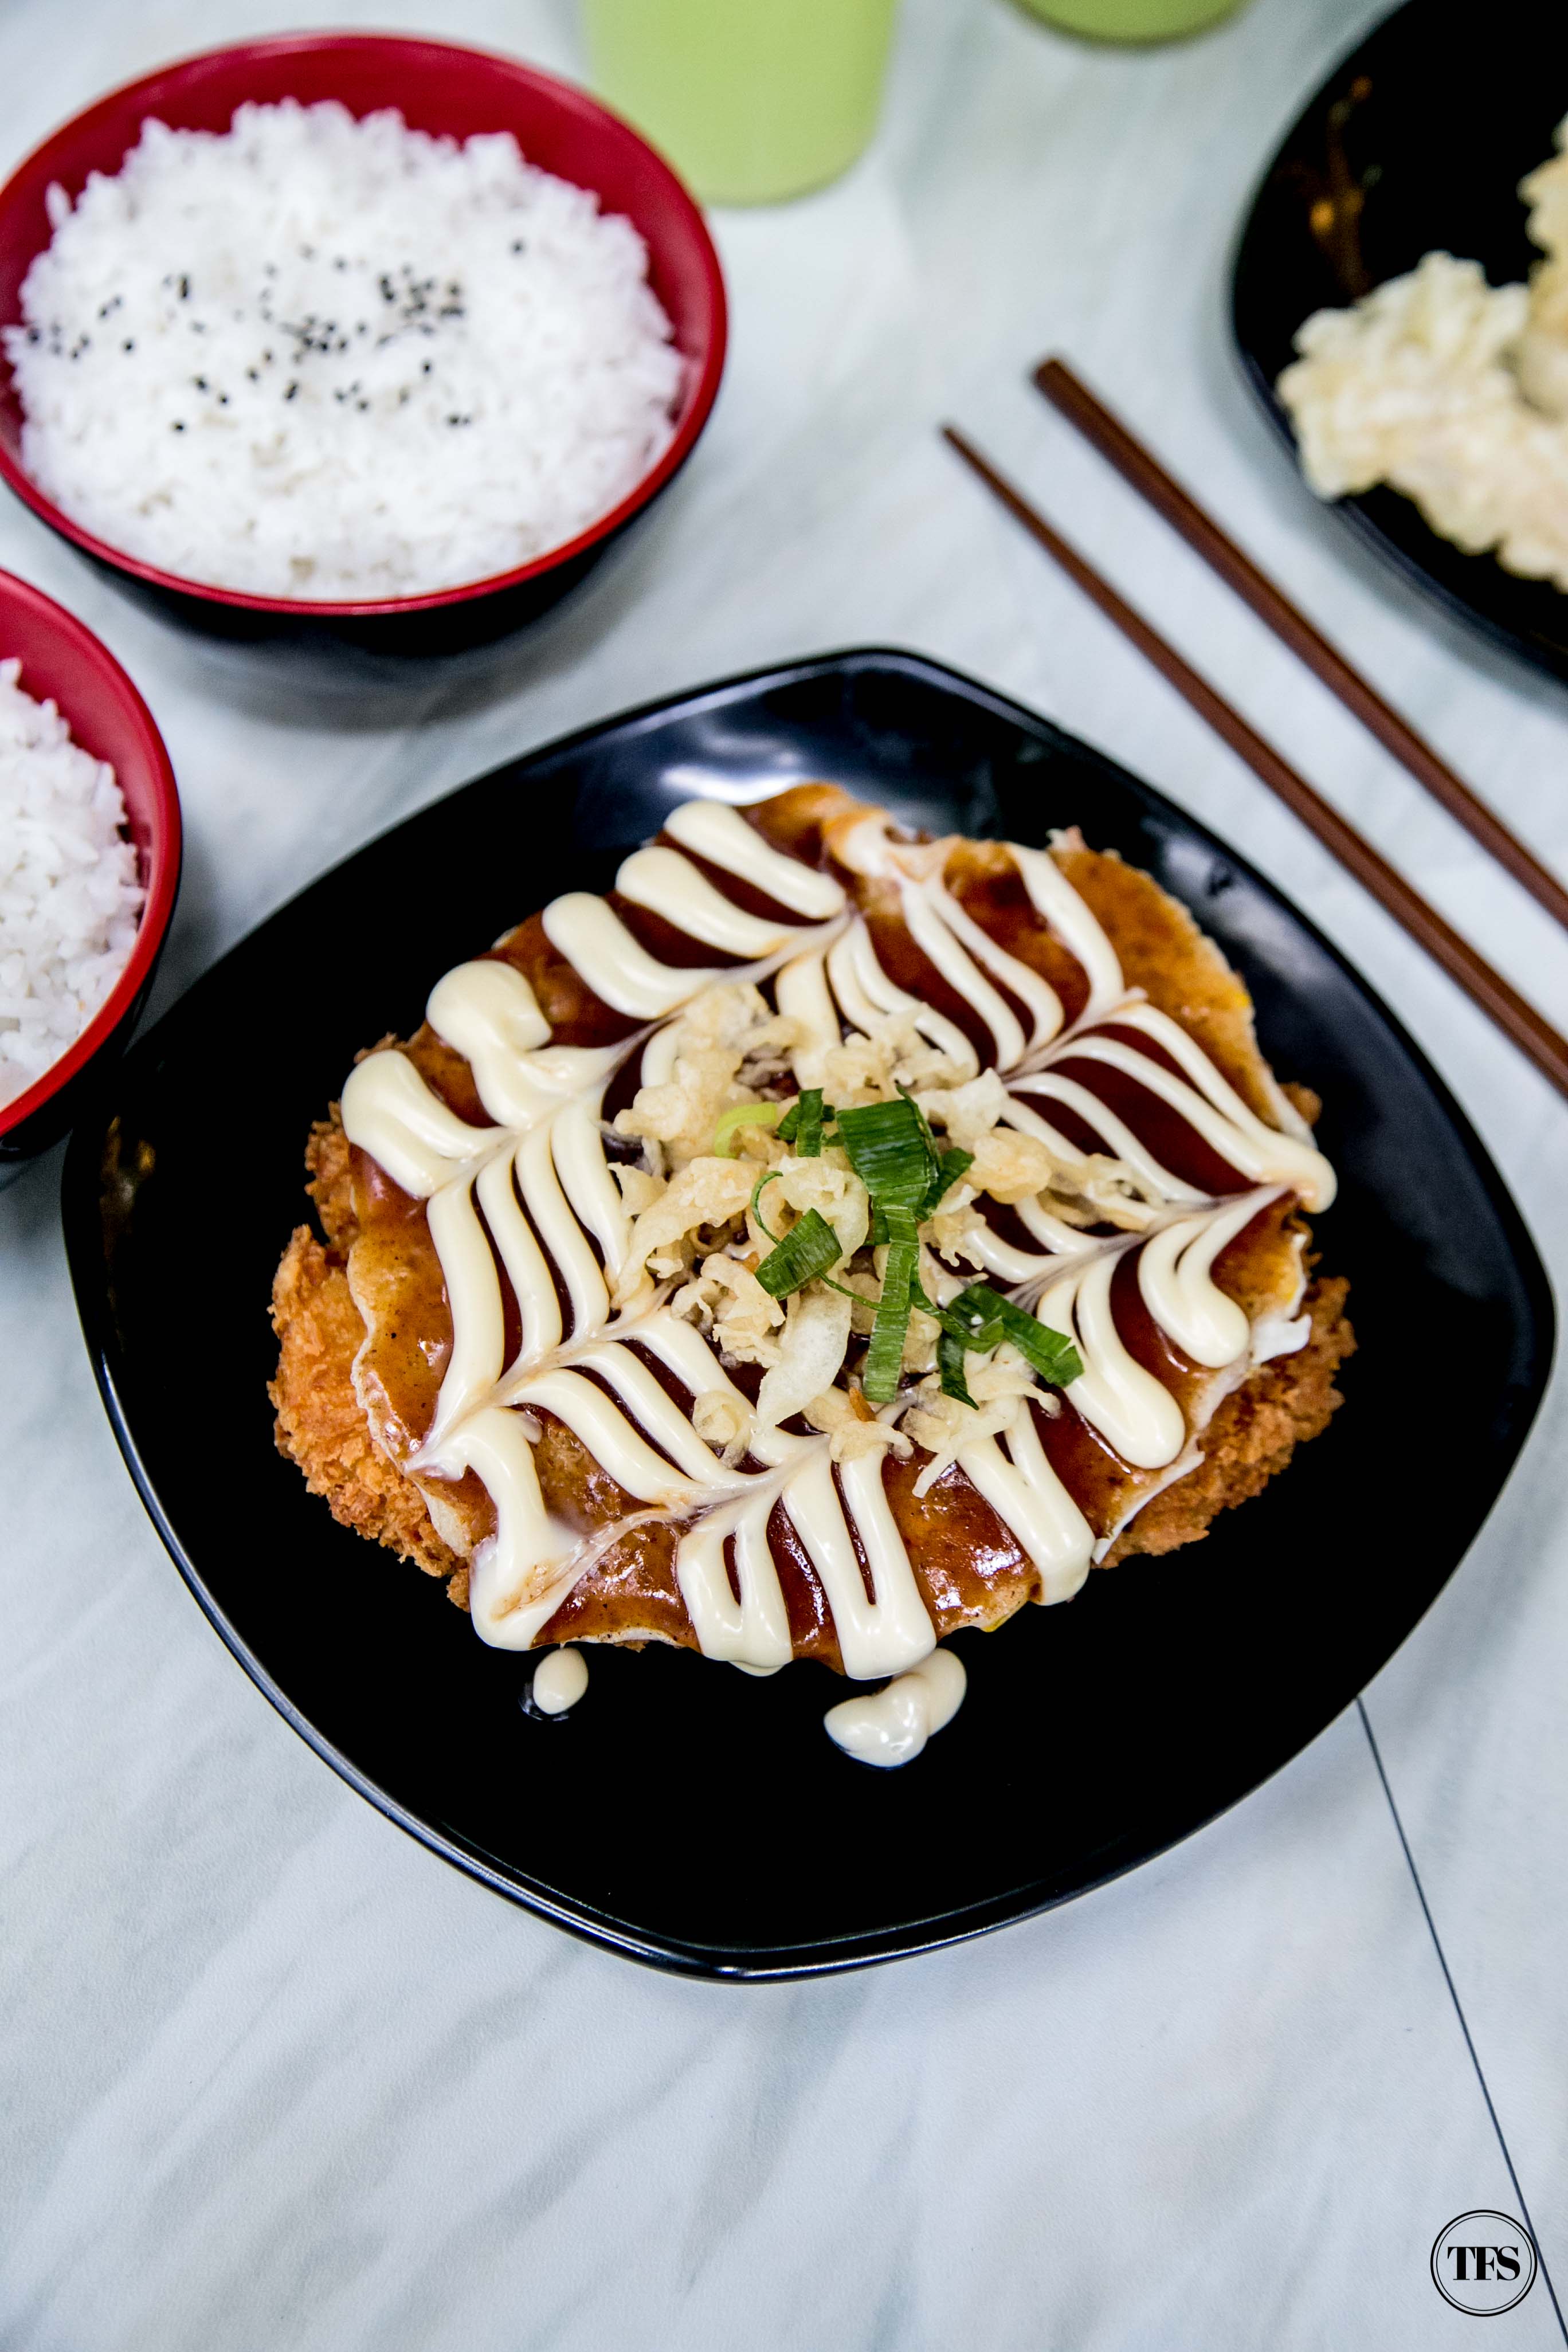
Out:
{"x": 337, "y": 360}
{"x": 69, "y": 897}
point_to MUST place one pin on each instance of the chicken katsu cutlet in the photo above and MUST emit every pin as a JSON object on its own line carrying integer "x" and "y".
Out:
{"x": 828, "y": 1240}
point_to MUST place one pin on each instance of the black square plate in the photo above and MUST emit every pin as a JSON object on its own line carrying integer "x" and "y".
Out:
{"x": 1416, "y": 144}
{"x": 684, "y": 1813}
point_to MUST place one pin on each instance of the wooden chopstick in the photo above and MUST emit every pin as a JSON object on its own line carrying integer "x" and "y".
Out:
{"x": 1517, "y": 1020}
{"x": 1139, "y": 466}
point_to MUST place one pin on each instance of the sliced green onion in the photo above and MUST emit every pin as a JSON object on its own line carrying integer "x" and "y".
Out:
{"x": 1051, "y": 1353}
{"x": 884, "y": 1364}
{"x": 767, "y": 1178}
{"x": 807, "y": 1250}
{"x": 950, "y": 1365}
{"x": 808, "y": 1127}
{"x": 981, "y": 1318}
{"x": 890, "y": 1148}
{"x": 950, "y": 1168}
{"x": 989, "y": 1318}
{"x": 963, "y": 1332}
{"x": 743, "y": 1115}
{"x": 924, "y": 1122}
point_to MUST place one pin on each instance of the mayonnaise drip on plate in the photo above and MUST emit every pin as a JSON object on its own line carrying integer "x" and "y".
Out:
{"x": 890, "y": 1726}
{"x": 559, "y": 1679}
{"x": 528, "y": 1202}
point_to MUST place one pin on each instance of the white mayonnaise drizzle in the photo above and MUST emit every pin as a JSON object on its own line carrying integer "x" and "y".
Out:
{"x": 1133, "y": 1411}
{"x": 531, "y": 1197}
{"x": 1054, "y": 898}
{"x": 592, "y": 936}
{"x": 1174, "y": 1267}
{"x": 890, "y": 1726}
{"x": 1210, "y": 1105}
{"x": 713, "y": 830}
{"x": 559, "y": 1679}
{"x": 866, "y": 995}
{"x": 958, "y": 948}
{"x": 668, "y": 885}
{"x": 1028, "y": 1498}
{"x": 391, "y": 1113}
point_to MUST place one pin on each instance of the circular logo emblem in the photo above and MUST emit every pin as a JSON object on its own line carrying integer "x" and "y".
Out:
{"x": 1483, "y": 2262}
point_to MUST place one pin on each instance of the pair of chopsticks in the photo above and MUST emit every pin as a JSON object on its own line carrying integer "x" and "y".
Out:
{"x": 1519, "y": 1020}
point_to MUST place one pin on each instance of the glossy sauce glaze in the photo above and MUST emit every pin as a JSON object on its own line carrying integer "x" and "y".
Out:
{"x": 501, "y": 1343}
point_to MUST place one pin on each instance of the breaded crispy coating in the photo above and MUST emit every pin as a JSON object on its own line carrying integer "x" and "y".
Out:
{"x": 321, "y": 1424}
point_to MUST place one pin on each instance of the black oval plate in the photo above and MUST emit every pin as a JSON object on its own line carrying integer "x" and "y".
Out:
{"x": 686, "y": 1814}
{"x": 1416, "y": 142}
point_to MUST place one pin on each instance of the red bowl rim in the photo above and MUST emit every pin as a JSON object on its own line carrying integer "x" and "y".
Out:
{"x": 162, "y": 875}
{"x": 565, "y": 94}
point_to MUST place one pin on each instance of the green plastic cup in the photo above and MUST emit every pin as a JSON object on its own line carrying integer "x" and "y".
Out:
{"x": 1132, "y": 20}
{"x": 751, "y": 100}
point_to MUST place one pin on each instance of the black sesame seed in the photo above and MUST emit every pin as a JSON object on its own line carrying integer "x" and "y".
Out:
{"x": 291, "y": 391}
{"x": 129, "y": 347}
{"x": 176, "y": 428}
